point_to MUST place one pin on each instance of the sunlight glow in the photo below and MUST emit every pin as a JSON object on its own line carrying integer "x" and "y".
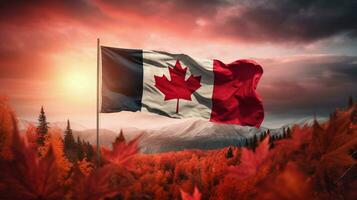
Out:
{"x": 78, "y": 83}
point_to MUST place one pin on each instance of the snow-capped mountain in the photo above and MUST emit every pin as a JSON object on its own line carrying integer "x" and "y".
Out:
{"x": 190, "y": 134}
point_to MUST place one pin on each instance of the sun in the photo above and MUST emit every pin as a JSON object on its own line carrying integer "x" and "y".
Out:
{"x": 78, "y": 83}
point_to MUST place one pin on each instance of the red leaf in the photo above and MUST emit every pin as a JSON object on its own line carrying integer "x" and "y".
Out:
{"x": 27, "y": 176}
{"x": 289, "y": 184}
{"x": 177, "y": 87}
{"x": 104, "y": 182}
{"x": 195, "y": 196}
{"x": 122, "y": 153}
{"x": 251, "y": 161}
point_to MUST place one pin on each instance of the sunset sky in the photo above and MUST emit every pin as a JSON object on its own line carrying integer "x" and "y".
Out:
{"x": 308, "y": 50}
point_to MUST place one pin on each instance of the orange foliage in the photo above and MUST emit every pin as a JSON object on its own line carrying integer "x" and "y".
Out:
{"x": 6, "y": 129}
{"x": 63, "y": 164}
{"x": 317, "y": 162}
{"x": 43, "y": 150}
{"x": 27, "y": 176}
{"x": 85, "y": 167}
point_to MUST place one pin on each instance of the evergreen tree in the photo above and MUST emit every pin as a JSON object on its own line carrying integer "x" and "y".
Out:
{"x": 271, "y": 144}
{"x": 268, "y": 132}
{"x": 288, "y": 132}
{"x": 119, "y": 139}
{"x": 80, "y": 149}
{"x": 333, "y": 115}
{"x": 42, "y": 128}
{"x": 243, "y": 142}
{"x": 254, "y": 143}
{"x": 350, "y": 102}
{"x": 315, "y": 123}
{"x": 229, "y": 153}
{"x": 271, "y": 140}
{"x": 246, "y": 142}
{"x": 284, "y": 132}
{"x": 69, "y": 143}
{"x": 89, "y": 151}
{"x": 264, "y": 134}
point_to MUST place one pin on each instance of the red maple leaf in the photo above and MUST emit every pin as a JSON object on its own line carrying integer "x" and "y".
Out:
{"x": 251, "y": 161}
{"x": 195, "y": 196}
{"x": 122, "y": 152}
{"x": 177, "y": 87}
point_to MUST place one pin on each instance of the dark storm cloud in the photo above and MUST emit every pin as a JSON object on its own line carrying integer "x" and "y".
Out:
{"x": 190, "y": 7}
{"x": 293, "y": 20}
{"x": 255, "y": 21}
{"x": 308, "y": 85}
{"x": 250, "y": 21}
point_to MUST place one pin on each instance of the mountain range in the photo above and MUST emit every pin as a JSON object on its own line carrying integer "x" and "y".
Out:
{"x": 191, "y": 134}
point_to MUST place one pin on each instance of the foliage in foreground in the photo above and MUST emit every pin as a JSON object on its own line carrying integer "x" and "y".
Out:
{"x": 317, "y": 162}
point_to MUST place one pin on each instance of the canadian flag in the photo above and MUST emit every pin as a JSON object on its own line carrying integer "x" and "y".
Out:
{"x": 178, "y": 86}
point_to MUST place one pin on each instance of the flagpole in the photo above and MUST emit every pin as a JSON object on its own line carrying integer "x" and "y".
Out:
{"x": 97, "y": 114}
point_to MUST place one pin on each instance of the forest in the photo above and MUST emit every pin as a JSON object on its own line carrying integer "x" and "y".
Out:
{"x": 306, "y": 162}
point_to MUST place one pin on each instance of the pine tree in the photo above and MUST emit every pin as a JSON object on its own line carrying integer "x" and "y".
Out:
{"x": 288, "y": 132}
{"x": 80, "y": 149}
{"x": 243, "y": 142}
{"x": 350, "y": 102}
{"x": 69, "y": 143}
{"x": 264, "y": 134}
{"x": 89, "y": 151}
{"x": 284, "y": 132}
{"x": 246, "y": 143}
{"x": 271, "y": 141}
{"x": 229, "y": 153}
{"x": 42, "y": 128}
{"x": 271, "y": 144}
{"x": 119, "y": 139}
{"x": 254, "y": 143}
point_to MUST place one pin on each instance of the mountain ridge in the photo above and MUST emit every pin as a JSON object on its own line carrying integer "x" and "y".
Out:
{"x": 190, "y": 134}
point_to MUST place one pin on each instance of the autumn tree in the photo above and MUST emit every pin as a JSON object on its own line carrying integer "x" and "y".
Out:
{"x": 42, "y": 128}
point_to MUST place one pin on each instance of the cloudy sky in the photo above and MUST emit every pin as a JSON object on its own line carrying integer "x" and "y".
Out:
{"x": 308, "y": 49}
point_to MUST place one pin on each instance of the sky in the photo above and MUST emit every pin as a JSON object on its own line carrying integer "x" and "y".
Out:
{"x": 308, "y": 50}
